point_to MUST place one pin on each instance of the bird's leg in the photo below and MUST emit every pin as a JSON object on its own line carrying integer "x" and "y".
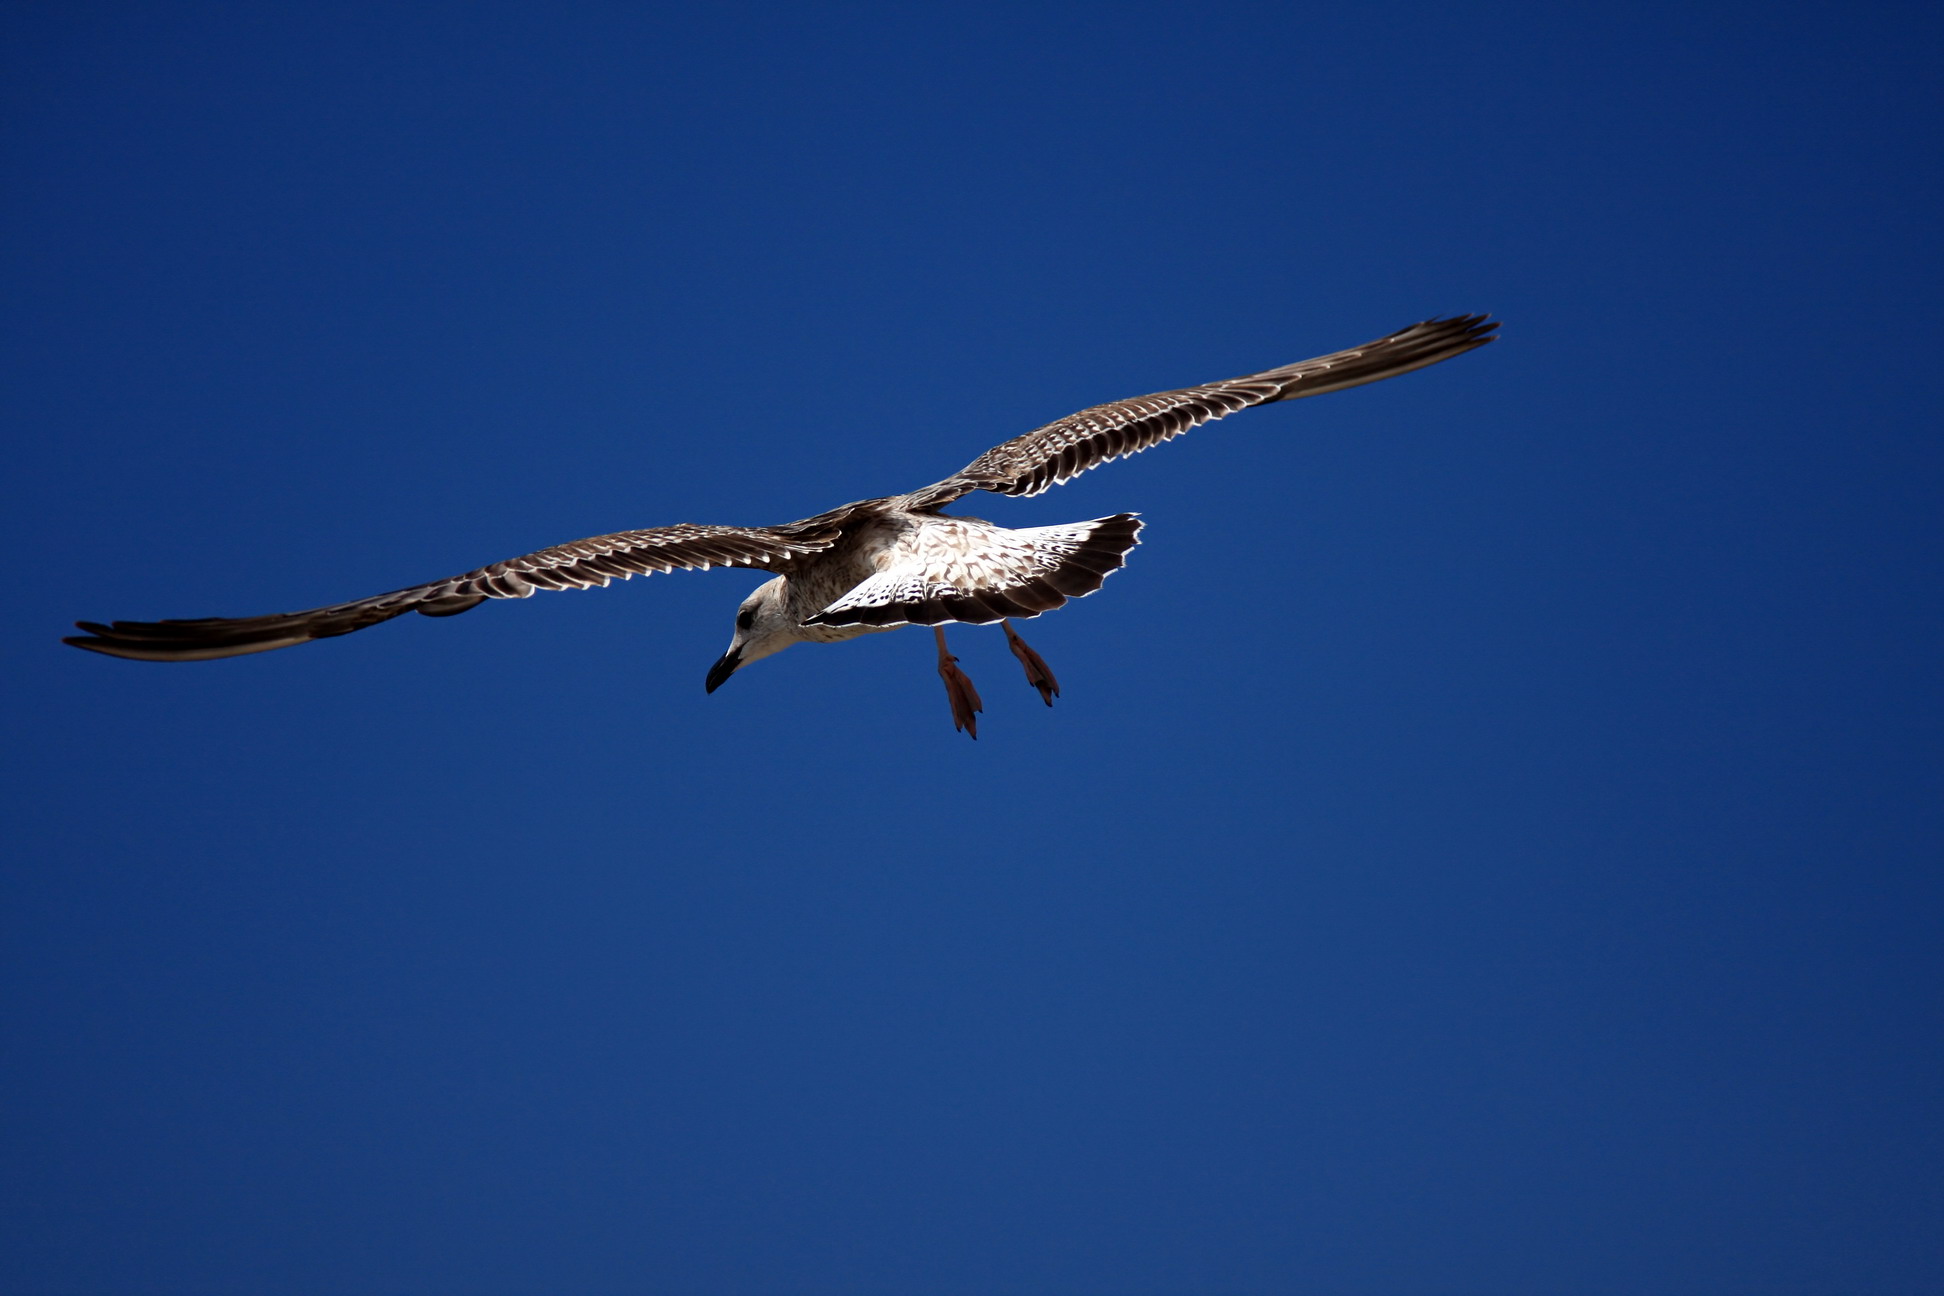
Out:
{"x": 965, "y": 699}
{"x": 1037, "y": 673}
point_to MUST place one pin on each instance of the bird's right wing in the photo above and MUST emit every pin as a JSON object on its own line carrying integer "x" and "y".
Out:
{"x": 1062, "y": 450}
{"x": 582, "y": 564}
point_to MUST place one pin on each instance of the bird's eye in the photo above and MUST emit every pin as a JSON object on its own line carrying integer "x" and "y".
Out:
{"x": 745, "y": 618}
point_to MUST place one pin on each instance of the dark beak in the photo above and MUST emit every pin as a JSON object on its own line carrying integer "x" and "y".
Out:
{"x": 723, "y": 669}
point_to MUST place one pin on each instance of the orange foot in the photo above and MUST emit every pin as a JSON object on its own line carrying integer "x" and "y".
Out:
{"x": 958, "y": 687}
{"x": 1038, "y": 674}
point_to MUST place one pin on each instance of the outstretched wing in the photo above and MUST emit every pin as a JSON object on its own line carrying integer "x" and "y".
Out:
{"x": 1058, "y": 452}
{"x": 580, "y": 565}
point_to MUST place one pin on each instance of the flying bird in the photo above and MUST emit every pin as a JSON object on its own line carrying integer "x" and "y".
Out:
{"x": 870, "y": 566}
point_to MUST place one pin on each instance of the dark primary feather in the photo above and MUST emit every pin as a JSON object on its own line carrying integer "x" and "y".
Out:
{"x": 1051, "y": 455}
{"x": 579, "y": 565}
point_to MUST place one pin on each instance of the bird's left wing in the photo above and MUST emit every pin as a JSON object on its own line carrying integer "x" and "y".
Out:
{"x": 1049, "y": 456}
{"x": 582, "y": 564}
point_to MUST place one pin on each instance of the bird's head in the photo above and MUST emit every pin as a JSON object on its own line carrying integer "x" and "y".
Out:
{"x": 763, "y": 627}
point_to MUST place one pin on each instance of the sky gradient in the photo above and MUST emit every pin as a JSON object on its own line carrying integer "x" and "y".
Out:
{"x": 1490, "y": 838}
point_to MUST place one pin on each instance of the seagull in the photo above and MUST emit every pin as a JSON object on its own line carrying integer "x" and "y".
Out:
{"x": 870, "y": 566}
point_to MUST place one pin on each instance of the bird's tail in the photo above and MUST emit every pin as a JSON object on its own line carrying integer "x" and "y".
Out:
{"x": 1017, "y": 574}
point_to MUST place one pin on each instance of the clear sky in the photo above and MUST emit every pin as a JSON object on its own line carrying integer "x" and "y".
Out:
{"x": 1491, "y": 838}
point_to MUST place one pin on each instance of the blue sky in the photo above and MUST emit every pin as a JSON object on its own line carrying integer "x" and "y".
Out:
{"x": 1490, "y": 838}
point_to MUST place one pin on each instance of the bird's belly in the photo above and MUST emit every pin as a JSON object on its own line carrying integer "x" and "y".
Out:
{"x": 837, "y": 634}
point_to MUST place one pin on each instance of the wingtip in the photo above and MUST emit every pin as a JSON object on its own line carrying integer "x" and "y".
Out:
{"x": 96, "y": 640}
{"x": 1457, "y": 334}
{"x": 105, "y": 647}
{"x": 1481, "y": 320}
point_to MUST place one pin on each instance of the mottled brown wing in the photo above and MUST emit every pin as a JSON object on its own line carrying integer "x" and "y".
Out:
{"x": 1058, "y": 452}
{"x": 580, "y": 565}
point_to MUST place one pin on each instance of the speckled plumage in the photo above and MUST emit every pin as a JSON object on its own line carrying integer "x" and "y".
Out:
{"x": 867, "y": 566}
